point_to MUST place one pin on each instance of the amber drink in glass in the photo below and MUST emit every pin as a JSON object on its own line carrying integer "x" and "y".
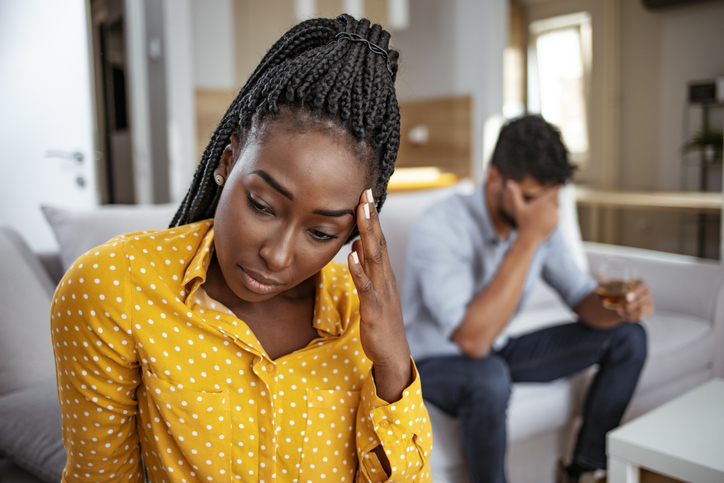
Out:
{"x": 616, "y": 278}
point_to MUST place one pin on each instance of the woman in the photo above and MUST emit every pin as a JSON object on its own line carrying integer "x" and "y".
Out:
{"x": 230, "y": 347}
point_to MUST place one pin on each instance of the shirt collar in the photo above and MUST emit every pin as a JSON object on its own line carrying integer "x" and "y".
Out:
{"x": 196, "y": 272}
{"x": 327, "y": 319}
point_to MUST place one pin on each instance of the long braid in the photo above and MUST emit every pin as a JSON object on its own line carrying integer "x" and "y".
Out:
{"x": 310, "y": 71}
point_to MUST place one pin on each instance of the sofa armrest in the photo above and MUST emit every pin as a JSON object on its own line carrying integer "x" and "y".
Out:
{"x": 679, "y": 283}
{"x": 52, "y": 264}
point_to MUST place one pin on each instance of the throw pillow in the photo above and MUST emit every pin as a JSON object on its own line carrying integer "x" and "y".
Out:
{"x": 77, "y": 231}
{"x": 31, "y": 431}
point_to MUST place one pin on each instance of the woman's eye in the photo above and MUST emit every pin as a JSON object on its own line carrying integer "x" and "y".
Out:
{"x": 321, "y": 236}
{"x": 255, "y": 205}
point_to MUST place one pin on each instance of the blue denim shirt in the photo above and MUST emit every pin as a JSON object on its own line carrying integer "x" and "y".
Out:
{"x": 453, "y": 254}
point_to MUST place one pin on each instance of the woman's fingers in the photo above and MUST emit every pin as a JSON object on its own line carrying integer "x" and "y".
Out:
{"x": 359, "y": 277}
{"x": 357, "y": 248}
{"x": 357, "y": 256}
{"x": 372, "y": 240}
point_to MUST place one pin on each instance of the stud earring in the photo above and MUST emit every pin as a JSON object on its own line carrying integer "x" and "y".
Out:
{"x": 219, "y": 180}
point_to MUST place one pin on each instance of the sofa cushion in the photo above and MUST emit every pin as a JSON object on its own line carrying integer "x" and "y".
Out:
{"x": 26, "y": 351}
{"x": 537, "y": 408}
{"x": 77, "y": 231}
{"x": 30, "y": 430}
{"x": 398, "y": 213}
{"x": 12, "y": 473}
{"x": 678, "y": 345}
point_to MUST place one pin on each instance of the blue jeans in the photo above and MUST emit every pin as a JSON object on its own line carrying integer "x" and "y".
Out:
{"x": 476, "y": 391}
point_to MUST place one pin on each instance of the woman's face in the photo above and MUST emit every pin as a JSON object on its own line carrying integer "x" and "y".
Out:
{"x": 287, "y": 207}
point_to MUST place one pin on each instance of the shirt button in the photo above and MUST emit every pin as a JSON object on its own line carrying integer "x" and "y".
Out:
{"x": 384, "y": 423}
{"x": 270, "y": 367}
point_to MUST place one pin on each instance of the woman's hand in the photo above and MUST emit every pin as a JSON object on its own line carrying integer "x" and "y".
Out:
{"x": 382, "y": 331}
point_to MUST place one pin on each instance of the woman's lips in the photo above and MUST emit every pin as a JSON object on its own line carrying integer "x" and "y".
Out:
{"x": 255, "y": 285}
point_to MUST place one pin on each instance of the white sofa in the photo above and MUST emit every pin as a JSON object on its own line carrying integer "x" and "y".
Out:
{"x": 686, "y": 338}
{"x": 685, "y": 345}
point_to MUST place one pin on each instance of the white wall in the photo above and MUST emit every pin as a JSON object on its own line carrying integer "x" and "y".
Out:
{"x": 692, "y": 48}
{"x": 661, "y": 52}
{"x": 180, "y": 73}
{"x": 455, "y": 48}
{"x": 137, "y": 58}
{"x": 640, "y": 97}
{"x": 213, "y": 34}
{"x": 481, "y": 36}
{"x": 46, "y": 103}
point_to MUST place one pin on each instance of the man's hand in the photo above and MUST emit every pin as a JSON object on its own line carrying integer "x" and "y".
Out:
{"x": 537, "y": 218}
{"x": 639, "y": 303}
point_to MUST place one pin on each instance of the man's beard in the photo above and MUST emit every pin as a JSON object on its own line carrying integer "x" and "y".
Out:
{"x": 503, "y": 215}
{"x": 509, "y": 220}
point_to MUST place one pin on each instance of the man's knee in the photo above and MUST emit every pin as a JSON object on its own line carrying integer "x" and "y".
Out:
{"x": 632, "y": 341}
{"x": 488, "y": 384}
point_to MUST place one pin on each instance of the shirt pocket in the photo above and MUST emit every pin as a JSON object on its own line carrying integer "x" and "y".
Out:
{"x": 192, "y": 431}
{"x": 329, "y": 449}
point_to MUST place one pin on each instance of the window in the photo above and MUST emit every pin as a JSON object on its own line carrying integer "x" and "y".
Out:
{"x": 559, "y": 66}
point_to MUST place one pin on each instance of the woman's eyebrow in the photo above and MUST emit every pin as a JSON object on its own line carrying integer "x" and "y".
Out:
{"x": 281, "y": 189}
{"x": 335, "y": 213}
{"x": 273, "y": 183}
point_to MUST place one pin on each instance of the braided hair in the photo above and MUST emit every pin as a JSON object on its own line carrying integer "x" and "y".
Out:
{"x": 320, "y": 77}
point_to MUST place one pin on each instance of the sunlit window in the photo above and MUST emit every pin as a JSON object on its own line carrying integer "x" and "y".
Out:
{"x": 559, "y": 64}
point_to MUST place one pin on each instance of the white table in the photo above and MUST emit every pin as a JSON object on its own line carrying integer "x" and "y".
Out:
{"x": 682, "y": 439}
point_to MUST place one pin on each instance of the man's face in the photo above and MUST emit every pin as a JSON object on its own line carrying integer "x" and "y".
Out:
{"x": 531, "y": 190}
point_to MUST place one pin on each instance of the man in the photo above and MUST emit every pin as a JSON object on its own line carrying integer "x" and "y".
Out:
{"x": 472, "y": 260}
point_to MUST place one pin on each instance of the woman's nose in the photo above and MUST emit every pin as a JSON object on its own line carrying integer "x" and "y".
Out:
{"x": 278, "y": 251}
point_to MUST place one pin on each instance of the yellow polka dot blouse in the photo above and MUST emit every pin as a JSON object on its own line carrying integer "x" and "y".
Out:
{"x": 155, "y": 377}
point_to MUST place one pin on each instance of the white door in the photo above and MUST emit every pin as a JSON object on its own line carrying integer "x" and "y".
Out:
{"x": 46, "y": 113}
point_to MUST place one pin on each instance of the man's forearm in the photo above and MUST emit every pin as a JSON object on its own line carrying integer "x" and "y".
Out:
{"x": 490, "y": 311}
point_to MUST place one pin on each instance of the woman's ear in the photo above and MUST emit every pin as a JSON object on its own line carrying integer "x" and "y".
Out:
{"x": 228, "y": 158}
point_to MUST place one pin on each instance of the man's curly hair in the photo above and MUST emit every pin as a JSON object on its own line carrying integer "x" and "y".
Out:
{"x": 530, "y": 146}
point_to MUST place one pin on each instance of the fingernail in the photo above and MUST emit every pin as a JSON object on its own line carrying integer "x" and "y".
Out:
{"x": 367, "y": 211}
{"x": 370, "y": 198}
{"x": 630, "y": 297}
{"x": 355, "y": 258}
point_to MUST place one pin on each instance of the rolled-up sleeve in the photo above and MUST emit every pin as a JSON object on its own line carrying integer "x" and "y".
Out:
{"x": 402, "y": 428}
{"x": 563, "y": 274}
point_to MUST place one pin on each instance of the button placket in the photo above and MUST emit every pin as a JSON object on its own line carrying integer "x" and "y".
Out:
{"x": 267, "y": 373}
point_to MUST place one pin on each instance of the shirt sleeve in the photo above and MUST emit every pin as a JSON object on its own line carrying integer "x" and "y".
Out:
{"x": 563, "y": 274}
{"x": 443, "y": 270}
{"x": 402, "y": 428}
{"x": 96, "y": 368}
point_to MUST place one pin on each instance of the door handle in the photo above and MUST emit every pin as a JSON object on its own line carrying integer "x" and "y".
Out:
{"x": 76, "y": 156}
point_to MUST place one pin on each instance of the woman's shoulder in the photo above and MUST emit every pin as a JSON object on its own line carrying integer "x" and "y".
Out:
{"x": 156, "y": 248}
{"x": 185, "y": 240}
